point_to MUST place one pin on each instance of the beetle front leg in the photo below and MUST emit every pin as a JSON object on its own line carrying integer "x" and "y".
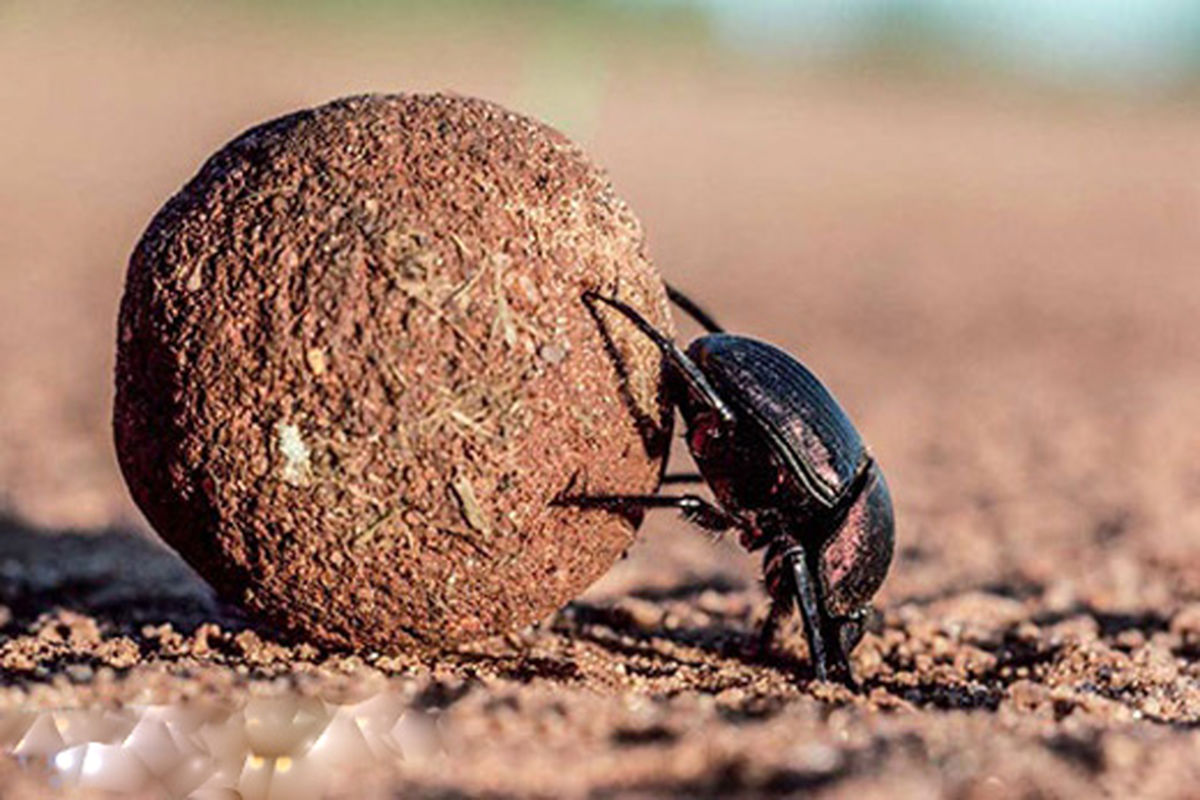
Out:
{"x": 825, "y": 646}
{"x": 804, "y": 586}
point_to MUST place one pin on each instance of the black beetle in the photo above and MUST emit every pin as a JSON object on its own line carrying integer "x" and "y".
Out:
{"x": 790, "y": 474}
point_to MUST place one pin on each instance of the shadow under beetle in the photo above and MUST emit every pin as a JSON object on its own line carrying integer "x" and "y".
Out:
{"x": 789, "y": 472}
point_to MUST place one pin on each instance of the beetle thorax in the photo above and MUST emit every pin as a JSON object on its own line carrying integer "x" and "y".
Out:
{"x": 746, "y": 478}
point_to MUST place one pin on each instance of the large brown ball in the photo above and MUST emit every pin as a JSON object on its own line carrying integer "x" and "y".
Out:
{"x": 355, "y": 370}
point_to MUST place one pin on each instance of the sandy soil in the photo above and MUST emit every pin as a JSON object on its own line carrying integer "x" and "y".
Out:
{"x": 1002, "y": 290}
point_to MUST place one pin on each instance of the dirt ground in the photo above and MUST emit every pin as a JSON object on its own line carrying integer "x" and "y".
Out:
{"x": 1000, "y": 286}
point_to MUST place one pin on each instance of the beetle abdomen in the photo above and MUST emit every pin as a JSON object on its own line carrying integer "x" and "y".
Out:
{"x": 790, "y": 403}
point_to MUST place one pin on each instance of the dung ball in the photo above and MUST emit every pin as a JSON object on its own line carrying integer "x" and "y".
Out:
{"x": 355, "y": 370}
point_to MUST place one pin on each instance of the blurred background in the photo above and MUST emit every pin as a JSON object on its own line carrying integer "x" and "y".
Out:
{"x": 979, "y": 221}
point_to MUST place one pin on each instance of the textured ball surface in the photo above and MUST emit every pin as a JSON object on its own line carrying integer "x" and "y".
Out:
{"x": 354, "y": 369}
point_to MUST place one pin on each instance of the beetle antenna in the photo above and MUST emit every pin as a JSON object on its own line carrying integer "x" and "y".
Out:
{"x": 689, "y": 307}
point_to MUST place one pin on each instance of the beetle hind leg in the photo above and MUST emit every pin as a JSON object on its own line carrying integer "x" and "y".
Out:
{"x": 689, "y": 306}
{"x": 680, "y": 364}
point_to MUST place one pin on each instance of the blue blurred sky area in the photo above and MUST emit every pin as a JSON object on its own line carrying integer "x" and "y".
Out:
{"x": 1131, "y": 43}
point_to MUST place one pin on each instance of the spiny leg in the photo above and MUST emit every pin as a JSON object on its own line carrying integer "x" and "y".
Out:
{"x": 802, "y": 583}
{"x": 687, "y": 370}
{"x": 683, "y": 477}
{"x": 698, "y": 510}
{"x": 825, "y": 642}
{"x": 689, "y": 307}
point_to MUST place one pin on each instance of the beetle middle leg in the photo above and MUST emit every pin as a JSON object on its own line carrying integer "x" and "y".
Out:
{"x": 683, "y": 477}
{"x": 697, "y": 510}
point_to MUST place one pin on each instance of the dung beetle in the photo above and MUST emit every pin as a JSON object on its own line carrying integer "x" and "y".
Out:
{"x": 789, "y": 472}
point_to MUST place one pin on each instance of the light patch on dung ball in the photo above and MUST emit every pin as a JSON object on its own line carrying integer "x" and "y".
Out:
{"x": 297, "y": 467}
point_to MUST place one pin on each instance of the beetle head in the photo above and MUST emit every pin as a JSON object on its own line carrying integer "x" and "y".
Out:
{"x": 856, "y": 557}
{"x": 851, "y": 629}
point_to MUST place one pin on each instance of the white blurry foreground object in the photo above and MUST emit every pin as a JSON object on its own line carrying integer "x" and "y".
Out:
{"x": 272, "y": 747}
